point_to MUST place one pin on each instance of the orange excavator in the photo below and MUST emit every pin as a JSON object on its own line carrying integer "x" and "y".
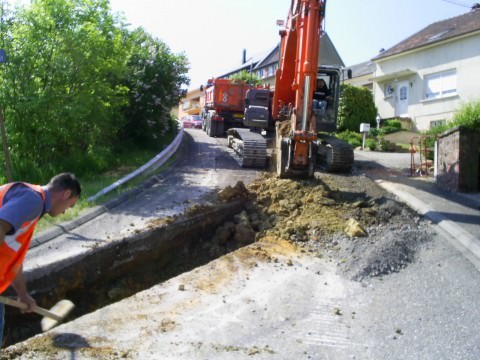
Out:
{"x": 298, "y": 115}
{"x": 299, "y": 111}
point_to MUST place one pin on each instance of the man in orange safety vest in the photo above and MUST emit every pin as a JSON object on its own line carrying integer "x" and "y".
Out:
{"x": 21, "y": 206}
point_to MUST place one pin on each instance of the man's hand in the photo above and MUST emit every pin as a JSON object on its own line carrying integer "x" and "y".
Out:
{"x": 21, "y": 289}
{"x": 27, "y": 299}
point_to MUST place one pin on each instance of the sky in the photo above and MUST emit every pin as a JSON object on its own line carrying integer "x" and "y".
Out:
{"x": 213, "y": 33}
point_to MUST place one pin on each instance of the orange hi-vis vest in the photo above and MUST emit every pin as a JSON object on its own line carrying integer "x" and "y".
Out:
{"x": 14, "y": 248}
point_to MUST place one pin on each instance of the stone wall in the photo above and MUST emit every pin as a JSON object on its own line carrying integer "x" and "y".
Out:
{"x": 459, "y": 160}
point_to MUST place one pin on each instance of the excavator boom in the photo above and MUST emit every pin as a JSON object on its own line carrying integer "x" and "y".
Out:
{"x": 295, "y": 83}
{"x": 295, "y": 78}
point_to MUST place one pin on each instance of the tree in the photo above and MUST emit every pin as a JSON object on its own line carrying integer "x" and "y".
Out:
{"x": 247, "y": 77}
{"x": 61, "y": 85}
{"x": 356, "y": 107}
{"x": 78, "y": 83}
{"x": 154, "y": 79}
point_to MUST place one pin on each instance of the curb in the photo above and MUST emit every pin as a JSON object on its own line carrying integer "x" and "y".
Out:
{"x": 459, "y": 237}
{"x": 153, "y": 164}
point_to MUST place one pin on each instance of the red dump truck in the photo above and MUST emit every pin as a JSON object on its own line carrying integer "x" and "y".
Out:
{"x": 224, "y": 105}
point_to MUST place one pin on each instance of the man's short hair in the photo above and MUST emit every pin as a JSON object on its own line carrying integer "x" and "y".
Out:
{"x": 65, "y": 181}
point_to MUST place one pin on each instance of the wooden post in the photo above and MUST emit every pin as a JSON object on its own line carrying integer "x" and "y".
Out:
{"x": 8, "y": 169}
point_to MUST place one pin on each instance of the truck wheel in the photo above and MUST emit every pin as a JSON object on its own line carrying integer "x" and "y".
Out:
{"x": 213, "y": 129}
{"x": 220, "y": 128}
{"x": 209, "y": 128}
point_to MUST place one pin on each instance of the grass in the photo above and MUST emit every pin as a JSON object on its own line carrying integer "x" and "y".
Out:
{"x": 92, "y": 185}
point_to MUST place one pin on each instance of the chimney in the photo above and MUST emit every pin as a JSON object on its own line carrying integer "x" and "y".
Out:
{"x": 244, "y": 56}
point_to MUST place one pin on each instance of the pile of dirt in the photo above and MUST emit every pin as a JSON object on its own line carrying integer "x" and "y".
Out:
{"x": 347, "y": 219}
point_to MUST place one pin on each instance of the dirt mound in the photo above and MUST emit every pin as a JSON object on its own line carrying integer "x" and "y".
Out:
{"x": 345, "y": 218}
{"x": 348, "y": 219}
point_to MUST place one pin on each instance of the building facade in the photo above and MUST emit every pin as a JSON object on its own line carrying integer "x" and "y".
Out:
{"x": 428, "y": 76}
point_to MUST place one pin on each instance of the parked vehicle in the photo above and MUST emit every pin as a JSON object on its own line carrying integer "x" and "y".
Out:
{"x": 224, "y": 105}
{"x": 192, "y": 121}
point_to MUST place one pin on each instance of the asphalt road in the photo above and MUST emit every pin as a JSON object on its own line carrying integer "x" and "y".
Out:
{"x": 295, "y": 308}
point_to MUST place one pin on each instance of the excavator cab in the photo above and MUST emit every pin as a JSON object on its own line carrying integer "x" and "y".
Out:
{"x": 258, "y": 106}
{"x": 325, "y": 99}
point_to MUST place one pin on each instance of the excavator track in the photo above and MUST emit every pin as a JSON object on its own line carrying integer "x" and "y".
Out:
{"x": 334, "y": 155}
{"x": 249, "y": 145}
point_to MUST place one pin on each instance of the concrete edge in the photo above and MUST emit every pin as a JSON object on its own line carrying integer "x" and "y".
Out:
{"x": 461, "y": 238}
{"x": 156, "y": 161}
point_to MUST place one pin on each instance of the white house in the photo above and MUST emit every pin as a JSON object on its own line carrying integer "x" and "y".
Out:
{"x": 429, "y": 75}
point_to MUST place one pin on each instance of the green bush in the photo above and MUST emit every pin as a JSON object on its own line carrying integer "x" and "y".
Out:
{"x": 468, "y": 115}
{"x": 351, "y": 137}
{"x": 385, "y": 145}
{"x": 356, "y": 107}
{"x": 393, "y": 123}
{"x": 371, "y": 144}
{"x": 374, "y": 132}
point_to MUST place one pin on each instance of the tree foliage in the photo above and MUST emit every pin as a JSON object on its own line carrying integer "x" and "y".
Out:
{"x": 356, "y": 107}
{"x": 71, "y": 86}
{"x": 246, "y": 77}
{"x": 155, "y": 76}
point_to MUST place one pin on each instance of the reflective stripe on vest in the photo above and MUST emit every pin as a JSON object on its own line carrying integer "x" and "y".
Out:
{"x": 14, "y": 248}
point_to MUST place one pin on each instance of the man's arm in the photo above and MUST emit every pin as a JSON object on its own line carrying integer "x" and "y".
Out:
{"x": 18, "y": 283}
{"x": 20, "y": 287}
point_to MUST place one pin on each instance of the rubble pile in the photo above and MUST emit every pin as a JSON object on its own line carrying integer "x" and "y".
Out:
{"x": 347, "y": 219}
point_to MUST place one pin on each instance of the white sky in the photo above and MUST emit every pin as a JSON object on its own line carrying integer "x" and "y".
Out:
{"x": 213, "y": 33}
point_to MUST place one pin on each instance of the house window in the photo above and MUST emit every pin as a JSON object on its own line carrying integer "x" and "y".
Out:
{"x": 436, "y": 123}
{"x": 388, "y": 90}
{"x": 403, "y": 93}
{"x": 271, "y": 70}
{"x": 440, "y": 84}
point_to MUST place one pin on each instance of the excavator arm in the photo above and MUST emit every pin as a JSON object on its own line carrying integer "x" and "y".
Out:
{"x": 295, "y": 82}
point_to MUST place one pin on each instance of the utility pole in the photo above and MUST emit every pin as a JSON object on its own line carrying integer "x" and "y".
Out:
{"x": 3, "y": 59}
{"x": 8, "y": 168}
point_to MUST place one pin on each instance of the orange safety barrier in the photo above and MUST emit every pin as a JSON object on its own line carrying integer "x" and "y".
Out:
{"x": 423, "y": 151}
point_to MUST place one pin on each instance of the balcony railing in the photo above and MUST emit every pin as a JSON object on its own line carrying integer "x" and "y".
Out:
{"x": 190, "y": 105}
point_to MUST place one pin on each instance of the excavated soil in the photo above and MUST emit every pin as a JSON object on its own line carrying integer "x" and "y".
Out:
{"x": 345, "y": 218}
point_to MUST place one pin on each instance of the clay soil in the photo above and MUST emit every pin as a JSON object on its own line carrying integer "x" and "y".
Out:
{"x": 347, "y": 219}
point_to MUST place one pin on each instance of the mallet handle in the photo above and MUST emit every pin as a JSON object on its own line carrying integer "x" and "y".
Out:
{"x": 23, "y": 306}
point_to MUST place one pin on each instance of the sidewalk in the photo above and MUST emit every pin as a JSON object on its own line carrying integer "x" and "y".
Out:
{"x": 456, "y": 214}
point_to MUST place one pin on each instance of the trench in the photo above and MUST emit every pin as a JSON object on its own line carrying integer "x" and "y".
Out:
{"x": 114, "y": 272}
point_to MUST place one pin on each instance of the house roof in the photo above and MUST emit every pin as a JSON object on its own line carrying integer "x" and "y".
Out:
{"x": 328, "y": 56}
{"x": 254, "y": 60}
{"x": 437, "y": 32}
{"x": 364, "y": 68}
{"x": 270, "y": 58}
